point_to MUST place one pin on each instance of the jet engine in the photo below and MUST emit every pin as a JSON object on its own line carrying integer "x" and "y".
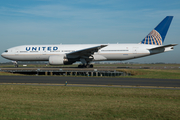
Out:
{"x": 58, "y": 60}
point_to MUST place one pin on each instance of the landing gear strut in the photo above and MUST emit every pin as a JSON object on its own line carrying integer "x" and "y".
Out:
{"x": 85, "y": 63}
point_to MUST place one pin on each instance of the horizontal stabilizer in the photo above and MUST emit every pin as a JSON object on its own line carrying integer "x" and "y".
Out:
{"x": 164, "y": 46}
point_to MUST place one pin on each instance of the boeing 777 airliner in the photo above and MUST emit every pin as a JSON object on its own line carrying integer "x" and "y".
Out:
{"x": 86, "y": 53}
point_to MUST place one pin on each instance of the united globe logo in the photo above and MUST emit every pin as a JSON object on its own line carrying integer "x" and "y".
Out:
{"x": 153, "y": 38}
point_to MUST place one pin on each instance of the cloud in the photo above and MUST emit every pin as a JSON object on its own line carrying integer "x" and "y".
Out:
{"x": 69, "y": 12}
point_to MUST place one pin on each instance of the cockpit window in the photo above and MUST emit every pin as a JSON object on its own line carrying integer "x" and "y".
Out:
{"x": 6, "y": 51}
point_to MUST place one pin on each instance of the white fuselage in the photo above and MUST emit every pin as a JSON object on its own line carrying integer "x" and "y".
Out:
{"x": 111, "y": 52}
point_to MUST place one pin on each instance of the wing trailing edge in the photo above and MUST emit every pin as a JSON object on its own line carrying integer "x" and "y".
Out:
{"x": 86, "y": 52}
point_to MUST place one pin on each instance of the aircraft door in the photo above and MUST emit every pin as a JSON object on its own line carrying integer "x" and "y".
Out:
{"x": 16, "y": 51}
{"x": 43, "y": 52}
{"x": 134, "y": 51}
{"x": 43, "y": 55}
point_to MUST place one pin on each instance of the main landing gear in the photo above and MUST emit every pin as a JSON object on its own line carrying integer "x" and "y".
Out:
{"x": 16, "y": 66}
{"x": 85, "y": 63}
{"x": 85, "y": 66}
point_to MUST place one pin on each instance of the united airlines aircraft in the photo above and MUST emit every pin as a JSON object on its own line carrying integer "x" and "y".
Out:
{"x": 86, "y": 53}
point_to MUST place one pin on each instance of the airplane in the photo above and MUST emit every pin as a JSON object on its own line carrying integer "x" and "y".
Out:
{"x": 67, "y": 54}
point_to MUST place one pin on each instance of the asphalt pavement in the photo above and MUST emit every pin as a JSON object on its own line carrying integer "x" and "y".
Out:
{"x": 91, "y": 81}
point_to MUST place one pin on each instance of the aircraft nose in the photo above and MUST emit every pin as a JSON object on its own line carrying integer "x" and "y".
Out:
{"x": 3, "y": 54}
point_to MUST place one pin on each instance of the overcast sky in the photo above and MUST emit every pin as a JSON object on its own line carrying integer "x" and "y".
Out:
{"x": 25, "y": 22}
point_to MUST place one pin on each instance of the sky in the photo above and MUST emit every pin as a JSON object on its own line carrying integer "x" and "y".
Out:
{"x": 29, "y": 22}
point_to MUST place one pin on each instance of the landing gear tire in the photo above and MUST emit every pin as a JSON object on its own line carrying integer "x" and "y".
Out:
{"x": 91, "y": 66}
{"x": 81, "y": 66}
{"x": 85, "y": 66}
{"x": 16, "y": 66}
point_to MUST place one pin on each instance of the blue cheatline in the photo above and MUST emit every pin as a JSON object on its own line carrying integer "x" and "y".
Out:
{"x": 158, "y": 34}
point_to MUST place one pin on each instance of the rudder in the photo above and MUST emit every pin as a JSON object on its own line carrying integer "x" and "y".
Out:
{"x": 158, "y": 34}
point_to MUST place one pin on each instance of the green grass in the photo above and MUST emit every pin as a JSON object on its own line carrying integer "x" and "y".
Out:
{"x": 36, "y": 66}
{"x": 96, "y": 65}
{"x": 153, "y": 73}
{"x": 29, "y": 65}
{"x": 7, "y": 73}
{"x": 141, "y": 73}
{"x": 136, "y": 65}
{"x": 60, "y": 102}
{"x": 136, "y": 73}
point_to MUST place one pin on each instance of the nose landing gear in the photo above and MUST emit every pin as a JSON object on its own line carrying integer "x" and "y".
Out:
{"x": 15, "y": 64}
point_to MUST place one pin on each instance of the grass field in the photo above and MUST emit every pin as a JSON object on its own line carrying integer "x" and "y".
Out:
{"x": 152, "y": 73}
{"x": 7, "y": 73}
{"x": 96, "y": 65}
{"x": 60, "y": 102}
{"x": 141, "y": 73}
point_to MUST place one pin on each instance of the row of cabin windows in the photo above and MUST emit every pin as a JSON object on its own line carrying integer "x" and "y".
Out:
{"x": 69, "y": 51}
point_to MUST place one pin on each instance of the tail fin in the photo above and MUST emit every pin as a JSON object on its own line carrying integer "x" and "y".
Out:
{"x": 158, "y": 34}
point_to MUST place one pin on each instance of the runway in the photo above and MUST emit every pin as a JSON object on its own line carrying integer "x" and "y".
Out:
{"x": 90, "y": 81}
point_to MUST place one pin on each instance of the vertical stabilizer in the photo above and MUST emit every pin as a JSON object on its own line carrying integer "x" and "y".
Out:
{"x": 158, "y": 34}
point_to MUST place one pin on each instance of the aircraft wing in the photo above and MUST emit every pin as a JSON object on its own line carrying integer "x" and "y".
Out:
{"x": 85, "y": 52}
{"x": 163, "y": 46}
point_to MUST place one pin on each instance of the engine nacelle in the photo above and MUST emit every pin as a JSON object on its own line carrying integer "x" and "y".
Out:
{"x": 99, "y": 57}
{"x": 57, "y": 60}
